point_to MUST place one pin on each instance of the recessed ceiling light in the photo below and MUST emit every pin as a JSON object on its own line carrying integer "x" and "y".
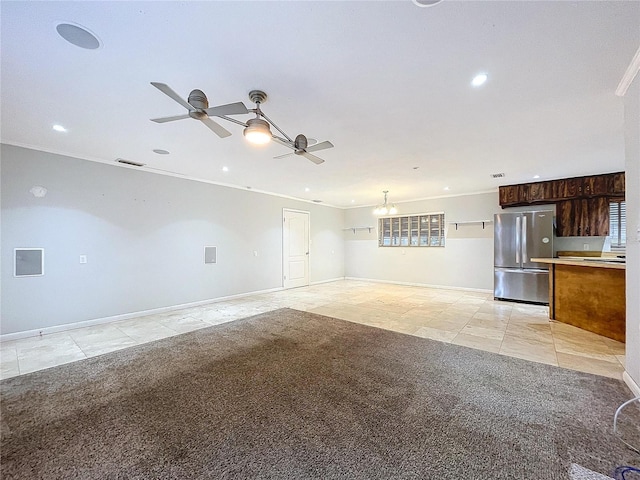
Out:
{"x": 536, "y": 176}
{"x": 159, "y": 151}
{"x": 446, "y": 188}
{"x": 38, "y": 191}
{"x": 59, "y": 128}
{"x": 353, "y": 201}
{"x": 306, "y": 189}
{"x": 225, "y": 169}
{"x": 426, "y": 3}
{"x": 78, "y": 35}
{"x": 479, "y": 79}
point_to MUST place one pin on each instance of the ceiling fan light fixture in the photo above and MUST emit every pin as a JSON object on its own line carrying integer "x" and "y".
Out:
{"x": 257, "y": 131}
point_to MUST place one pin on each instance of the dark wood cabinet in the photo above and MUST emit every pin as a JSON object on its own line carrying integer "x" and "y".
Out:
{"x": 565, "y": 226}
{"x": 582, "y": 217}
{"x": 508, "y": 195}
{"x": 596, "y": 185}
{"x": 609, "y": 185}
{"x": 566, "y": 188}
{"x": 598, "y": 216}
{"x": 539, "y": 192}
{"x": 582, "y": 203}
{"x": 617, "y": 185}
{"x": 513, "y": 195}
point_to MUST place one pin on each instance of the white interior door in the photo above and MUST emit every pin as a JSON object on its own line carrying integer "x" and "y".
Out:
{"x": 295, "y": 236}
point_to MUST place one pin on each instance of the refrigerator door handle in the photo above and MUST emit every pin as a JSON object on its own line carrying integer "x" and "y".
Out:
{"x": 517, "y": 239}
{"x": 525, "y": 259}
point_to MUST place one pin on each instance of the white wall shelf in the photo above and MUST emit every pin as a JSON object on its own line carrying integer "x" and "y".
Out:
{"x": 470, "y": 222}
{"x": 354, "y": 229}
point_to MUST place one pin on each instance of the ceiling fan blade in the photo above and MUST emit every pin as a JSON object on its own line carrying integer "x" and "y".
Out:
{"x": 166, "y": 89}
{"x": 217, "y": 129}
{"x": 170, "y": 119}
{"x": 313, "y": 158}
{"x": 319, "y": 146}
{"x": 237, "y": 108}
{"x": 285, "y": 155}
{"x": 282, "y": 142}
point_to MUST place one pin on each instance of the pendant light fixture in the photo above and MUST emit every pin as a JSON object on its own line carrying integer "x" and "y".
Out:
{"x": 385, "y": 208}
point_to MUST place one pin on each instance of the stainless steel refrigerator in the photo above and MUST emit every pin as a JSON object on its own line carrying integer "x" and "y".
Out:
{"x": 519, "y": 237}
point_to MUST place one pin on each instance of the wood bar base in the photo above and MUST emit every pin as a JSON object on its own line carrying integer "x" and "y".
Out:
{"x": 588, "y": 297}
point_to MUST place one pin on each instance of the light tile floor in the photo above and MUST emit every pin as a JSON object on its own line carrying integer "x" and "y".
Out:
{"x": 464, "y": 318}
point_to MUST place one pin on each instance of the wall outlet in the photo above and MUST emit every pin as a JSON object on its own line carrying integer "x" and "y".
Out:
{"x": 255, "y": 253}
{"x": 83, "y": 259}
{"x": 585, "y": 246}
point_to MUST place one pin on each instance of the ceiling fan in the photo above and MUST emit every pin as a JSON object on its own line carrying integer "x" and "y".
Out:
{"x": 301, "y": 146}
{"x": 257, "y": 130}
{"x": 198, "y": 107}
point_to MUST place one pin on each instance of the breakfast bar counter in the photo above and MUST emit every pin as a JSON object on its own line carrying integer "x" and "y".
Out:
{"x": 596, "y": 262}
{"x": 588, "y": 293}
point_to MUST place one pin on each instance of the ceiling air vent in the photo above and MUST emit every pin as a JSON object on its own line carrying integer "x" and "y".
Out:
{"x": 129, "y": 162}
{"x": 497, "y": 175}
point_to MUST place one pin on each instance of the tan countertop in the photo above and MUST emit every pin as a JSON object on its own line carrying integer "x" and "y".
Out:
{"x": 581, "y": 262}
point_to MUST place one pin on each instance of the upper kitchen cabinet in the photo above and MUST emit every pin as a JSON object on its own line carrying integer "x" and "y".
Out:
{"x": 583, "y": 217}
{"x": 539, "y": 191}
{"x": 607, "y": 185}
{"x": 582, "y": 203}
{"x": 513, "y": 195}
{"x": 617, "y": 184}
{"x": 596, "y": 185}
{"x": 565, "y": 188}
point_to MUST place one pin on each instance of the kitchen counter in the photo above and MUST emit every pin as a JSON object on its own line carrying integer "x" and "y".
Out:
{"x": 599, "y": 262}
{"x": 588, "y": 293}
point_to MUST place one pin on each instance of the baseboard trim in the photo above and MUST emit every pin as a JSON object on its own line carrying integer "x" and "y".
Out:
{"x": 635, "y": 388}
{"x": 125, "y": 316}
{"x": 426, "y": 285}
{"x": 318, "y": 282}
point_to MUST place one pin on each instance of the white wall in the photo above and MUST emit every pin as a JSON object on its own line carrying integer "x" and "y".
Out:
{"x": 632, "y": 175}
{"x": 143, "y": 235}
{"x": 465, "y": 262}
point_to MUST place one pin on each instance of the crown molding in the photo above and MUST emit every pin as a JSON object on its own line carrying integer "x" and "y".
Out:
{"x": 629, "y": 75}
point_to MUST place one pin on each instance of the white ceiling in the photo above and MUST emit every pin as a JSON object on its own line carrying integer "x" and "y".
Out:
{"x": 388, "y": 83}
